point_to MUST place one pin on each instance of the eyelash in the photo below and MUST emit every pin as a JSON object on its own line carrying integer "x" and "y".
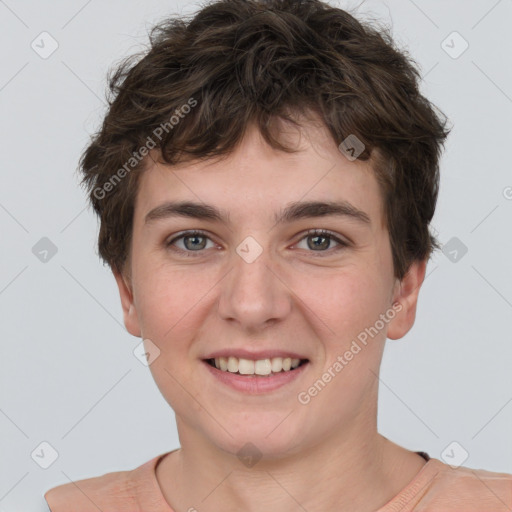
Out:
{"x": 312, "y": 232}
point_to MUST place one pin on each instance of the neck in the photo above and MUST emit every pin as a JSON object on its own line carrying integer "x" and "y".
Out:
{"x": 358, "y": 471}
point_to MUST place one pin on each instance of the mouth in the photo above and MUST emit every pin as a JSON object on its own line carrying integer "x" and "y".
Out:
{"x": 263, "y": 368}
{"x": 256, "y": 377}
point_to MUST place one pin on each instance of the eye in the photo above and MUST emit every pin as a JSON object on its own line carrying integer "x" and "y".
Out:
{"x": 193, "y": 241}
{"x": 196, "y": 241}
{"x": 322, "y": 239}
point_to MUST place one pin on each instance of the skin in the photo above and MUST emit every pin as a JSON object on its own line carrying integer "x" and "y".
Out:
{"x": 327, "y": 454}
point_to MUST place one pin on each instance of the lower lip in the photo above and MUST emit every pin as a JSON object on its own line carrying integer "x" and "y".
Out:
{"x": 254, "y": 384}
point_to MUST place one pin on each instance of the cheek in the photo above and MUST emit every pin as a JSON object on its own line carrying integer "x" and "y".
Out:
{"x": 172, "y": 308}
{"x": 169, "y": 301}
{"x": 347, "y": 300}
{"x": 348, "y": 305}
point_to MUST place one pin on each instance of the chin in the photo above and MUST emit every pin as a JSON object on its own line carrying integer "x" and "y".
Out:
{"x": 251, "y": 442}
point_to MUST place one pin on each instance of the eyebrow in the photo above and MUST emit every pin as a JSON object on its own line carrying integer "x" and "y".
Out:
{"x": 294, "y": 211}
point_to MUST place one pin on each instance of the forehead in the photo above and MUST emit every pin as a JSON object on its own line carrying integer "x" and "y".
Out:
{"x": 256, "y": 181}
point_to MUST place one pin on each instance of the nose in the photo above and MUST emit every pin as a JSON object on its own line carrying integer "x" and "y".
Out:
{"x": 253, "y": 294}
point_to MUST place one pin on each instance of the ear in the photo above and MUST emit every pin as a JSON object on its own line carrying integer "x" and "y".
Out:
{"x": 131, "y": 320}
{"x": 405, "y": 294}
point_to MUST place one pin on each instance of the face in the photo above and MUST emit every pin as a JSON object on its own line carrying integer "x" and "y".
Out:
{"x": 254, "y": 280}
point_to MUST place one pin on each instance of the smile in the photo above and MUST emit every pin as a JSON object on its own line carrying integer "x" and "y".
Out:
{"x": 259, "y": 367}
{"x": 251, "y": 382}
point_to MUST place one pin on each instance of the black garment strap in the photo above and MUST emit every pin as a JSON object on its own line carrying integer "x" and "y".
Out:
{"x": 425, "y": 455}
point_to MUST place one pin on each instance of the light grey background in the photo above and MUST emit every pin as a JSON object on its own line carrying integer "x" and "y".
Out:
{"x": 68, "y": 375}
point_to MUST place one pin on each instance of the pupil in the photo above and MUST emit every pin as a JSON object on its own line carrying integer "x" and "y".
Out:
{"x": 195, "y": 237}
{"x": 323, "y": 246}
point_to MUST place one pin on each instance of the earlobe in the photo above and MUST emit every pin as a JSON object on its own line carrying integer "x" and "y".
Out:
{"x": 131, "y": 320}
{"x": 405, "y": 299}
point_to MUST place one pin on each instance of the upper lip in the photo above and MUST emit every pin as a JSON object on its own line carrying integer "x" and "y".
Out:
{"x": 241, "y": 353}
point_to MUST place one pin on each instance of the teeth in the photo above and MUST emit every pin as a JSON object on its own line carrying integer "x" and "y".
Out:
{"x": 245, "y": 366}
{"x": 232, "y": 364}
{"x": 263, "y": 367}
{"x": 259, "y": 367}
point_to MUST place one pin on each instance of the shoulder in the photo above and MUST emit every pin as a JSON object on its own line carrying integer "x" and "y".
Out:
{"x": 468, "y": 489}
{"x": 118, "y": 491}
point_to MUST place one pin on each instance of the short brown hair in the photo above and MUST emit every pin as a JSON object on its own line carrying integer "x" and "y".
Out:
{"x": 241, "y": 61}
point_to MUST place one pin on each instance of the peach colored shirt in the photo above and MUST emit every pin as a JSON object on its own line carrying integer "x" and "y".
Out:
{"x": 436, "y": 488}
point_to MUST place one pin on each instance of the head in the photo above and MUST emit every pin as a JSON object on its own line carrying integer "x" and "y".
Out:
{"x": 243, "y": 109}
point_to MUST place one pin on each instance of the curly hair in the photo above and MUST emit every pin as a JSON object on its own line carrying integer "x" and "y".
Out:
{"x": 192, "y": 93}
